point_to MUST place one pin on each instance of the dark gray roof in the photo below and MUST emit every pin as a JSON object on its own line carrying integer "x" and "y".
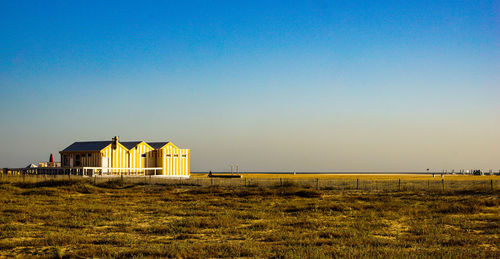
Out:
{"x": 157, "y": 145}
{"x": 88, "y": 146}
{"x": 32, "y": 166}
{"x": 130, "y": 144}
{"x": 99, "y": 145}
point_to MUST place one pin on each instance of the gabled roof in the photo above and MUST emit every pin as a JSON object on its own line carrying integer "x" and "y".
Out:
{"x": 88, "y": 146}
{"x": 100, "y": 145}
{"x": 130, "y": 144}
{"x": 157, "y": 145}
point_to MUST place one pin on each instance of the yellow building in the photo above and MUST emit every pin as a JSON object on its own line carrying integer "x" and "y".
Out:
{"x": 131, "y": 157}
{"x": 137, "y": 154}
{"x": 173, "y": 160}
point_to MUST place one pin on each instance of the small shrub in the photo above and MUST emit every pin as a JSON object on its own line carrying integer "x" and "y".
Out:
{"x": 304, "y": 193}
{"x": 113, "y": 184}
{"x": 44, "y": 192}
{"x": 48, "y": 183}
{"x": 285, "y": 183}
{"x": 183, "y": 237}
{"x": 258, "y": 226}
{"x": 458, "y": 208}
{"x": 58, "y": 252}
{"x": 83, "y": 188}
{"x": 262, "y": 192}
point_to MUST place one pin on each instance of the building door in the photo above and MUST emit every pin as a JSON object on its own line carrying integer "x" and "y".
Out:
{"x": 71, "y": 162}
{"x": 105, "y": 164}
{"x": 143, "y": 162}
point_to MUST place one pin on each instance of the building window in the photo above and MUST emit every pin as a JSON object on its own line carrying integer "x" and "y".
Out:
{"x": 184, "y": 155}
{"x": 169, "y": 155}
{"x": 176, "y": 155}
{"x": 77, "y": 160}
{"x": 65, "y": 160}
{"x": 143, "y": 155}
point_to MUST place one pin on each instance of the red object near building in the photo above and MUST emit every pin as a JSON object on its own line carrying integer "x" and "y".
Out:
{"x": 51, "y": 158}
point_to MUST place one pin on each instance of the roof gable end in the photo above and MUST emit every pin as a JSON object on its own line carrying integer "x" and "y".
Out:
{"x": 158, "y": 145}
{"x": 133, "y": 144}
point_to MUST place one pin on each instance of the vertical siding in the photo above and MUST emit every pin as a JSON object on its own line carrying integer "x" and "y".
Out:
{"x": 119, "y": 157}
{"x": 106, "y": 155}
{"x": 188, "y": 172}
{"x": 175, "y": 161}
{"x": 85, "y": 160}
{"x": 135, "y": 157}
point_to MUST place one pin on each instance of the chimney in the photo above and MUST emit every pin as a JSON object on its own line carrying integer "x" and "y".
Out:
{"x": 116, "y": 139}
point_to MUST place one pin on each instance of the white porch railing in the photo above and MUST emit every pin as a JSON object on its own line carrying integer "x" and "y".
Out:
{"x": 88, "y": 171}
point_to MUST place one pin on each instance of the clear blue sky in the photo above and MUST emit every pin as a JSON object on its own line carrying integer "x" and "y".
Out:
{"x": 269, "y": 85}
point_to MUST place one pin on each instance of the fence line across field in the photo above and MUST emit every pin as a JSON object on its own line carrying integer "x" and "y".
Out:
{"x": 397, "y": 184}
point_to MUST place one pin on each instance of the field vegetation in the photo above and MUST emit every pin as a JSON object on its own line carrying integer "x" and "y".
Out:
{"x": 77, "y": 218}
{"x": 378, "y": 177}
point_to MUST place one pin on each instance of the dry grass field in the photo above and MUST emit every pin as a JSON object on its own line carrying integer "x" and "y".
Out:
{"x": 391, "y": 176}
{"x": 77, "y": 218}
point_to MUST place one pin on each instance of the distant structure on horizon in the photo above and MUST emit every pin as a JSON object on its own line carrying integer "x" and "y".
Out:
{"x": 128, "y": 157}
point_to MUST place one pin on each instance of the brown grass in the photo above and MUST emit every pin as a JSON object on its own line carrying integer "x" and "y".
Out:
{"x": 437, "y": 177}
{"x": 74, "y": 218}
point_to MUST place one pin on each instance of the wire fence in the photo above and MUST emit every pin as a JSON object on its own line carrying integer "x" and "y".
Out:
{"x": 387, "y": 185}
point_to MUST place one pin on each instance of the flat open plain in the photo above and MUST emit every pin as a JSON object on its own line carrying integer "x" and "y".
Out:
{"x": 114, "y": 218}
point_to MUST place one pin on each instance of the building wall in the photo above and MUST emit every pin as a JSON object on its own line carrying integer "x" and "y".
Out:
{"x": 117, "y": 157}
{"x": 151, "y": 159}
{"x": 87, "y": 158}
{"x": 135, "y": 156}
{"x": 91, "y": 159}
{"x": 174, "y": 161}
